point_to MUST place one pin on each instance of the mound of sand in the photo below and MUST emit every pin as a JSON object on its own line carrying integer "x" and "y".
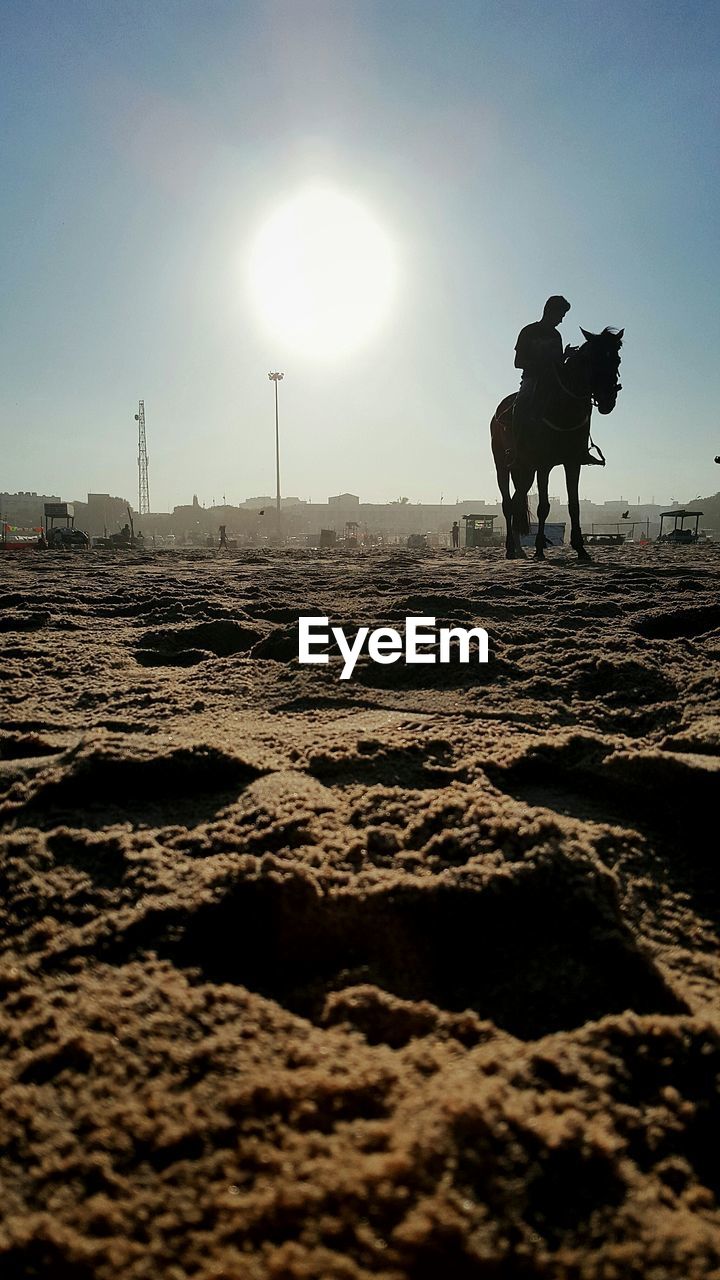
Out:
{"x": 407, "y": 976}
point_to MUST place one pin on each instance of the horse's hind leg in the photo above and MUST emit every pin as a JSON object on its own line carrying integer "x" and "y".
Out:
{"x": 572, "y": 480}
{"x": 503, "y": 479}
{"x": 519, "y": 523}
{"x": 522, "y": 478}
{"x": 543, "y": 512}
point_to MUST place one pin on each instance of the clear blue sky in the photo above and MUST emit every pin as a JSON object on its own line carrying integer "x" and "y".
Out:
{"x": 511, "y": 148}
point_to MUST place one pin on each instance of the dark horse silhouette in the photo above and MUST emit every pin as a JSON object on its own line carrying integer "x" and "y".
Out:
{"x": 559, "y": 437}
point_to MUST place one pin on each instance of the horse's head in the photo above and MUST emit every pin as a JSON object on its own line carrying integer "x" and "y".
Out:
{"x": 602, "y": 355}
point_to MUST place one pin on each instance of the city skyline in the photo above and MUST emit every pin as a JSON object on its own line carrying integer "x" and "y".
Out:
{"x": 341, "y": 503}
{"x": 503, "y": 153}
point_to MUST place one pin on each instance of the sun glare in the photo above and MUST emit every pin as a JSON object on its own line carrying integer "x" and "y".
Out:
{"x": 323, "y": 274}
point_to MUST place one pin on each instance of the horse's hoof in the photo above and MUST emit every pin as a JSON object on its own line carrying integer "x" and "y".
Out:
{"x": 539, "y": 555}
{"x": 585, "y": 557}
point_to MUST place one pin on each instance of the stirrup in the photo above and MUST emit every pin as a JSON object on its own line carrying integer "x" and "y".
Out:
{"x": 594, "y": 462}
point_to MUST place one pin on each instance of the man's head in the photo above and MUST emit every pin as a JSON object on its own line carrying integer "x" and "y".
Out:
{"x": 555, "y": 309}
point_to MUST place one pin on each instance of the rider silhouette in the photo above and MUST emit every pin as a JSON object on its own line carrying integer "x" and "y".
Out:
{"x": 538, "y": 350}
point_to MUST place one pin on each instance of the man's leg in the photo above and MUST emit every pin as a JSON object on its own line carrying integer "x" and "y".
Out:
{"x": 522, "y": 412}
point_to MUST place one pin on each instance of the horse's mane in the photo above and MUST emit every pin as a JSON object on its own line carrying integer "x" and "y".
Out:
{"x": 608, "y": 332}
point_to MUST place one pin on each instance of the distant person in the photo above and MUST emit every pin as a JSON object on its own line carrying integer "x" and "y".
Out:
{"x": 223, "y": 538}
{"x": 456, "y": 534}
{"x": 538, "y": 351}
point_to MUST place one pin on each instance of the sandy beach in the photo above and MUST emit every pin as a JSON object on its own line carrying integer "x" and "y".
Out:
{"x": 407, "y": 976}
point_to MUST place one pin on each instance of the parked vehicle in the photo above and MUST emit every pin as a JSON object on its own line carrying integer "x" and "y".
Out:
{"x": 67, "y": 539}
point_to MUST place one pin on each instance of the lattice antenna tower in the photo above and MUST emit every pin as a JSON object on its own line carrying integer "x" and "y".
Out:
{"x": 143, "y": 487}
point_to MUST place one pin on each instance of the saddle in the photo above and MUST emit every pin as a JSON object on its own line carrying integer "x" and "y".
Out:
{"x": 504, "y": 417}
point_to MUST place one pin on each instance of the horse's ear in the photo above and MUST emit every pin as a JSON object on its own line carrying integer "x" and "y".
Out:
{"x": 619, "y": 335}
{"x": 587, "y": 336}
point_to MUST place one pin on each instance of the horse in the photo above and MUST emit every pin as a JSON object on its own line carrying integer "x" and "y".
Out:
{"x": 560, "y": 437}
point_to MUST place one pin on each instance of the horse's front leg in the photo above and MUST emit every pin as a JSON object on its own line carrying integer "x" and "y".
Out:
{"x": 543, "y": 511}
{"x": 572, "y": 479}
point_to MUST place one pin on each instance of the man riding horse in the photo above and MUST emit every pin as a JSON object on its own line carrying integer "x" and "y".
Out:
{"x": 539, "y": 356}
{"x": 557, "y": 396}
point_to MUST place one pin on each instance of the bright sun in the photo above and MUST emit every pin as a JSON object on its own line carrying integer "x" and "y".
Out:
{"x": 323, "y": 274}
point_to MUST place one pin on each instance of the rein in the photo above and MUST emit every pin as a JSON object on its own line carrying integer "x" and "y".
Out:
{"x": 565, "y": 430}
{"x": 572, "y": 395}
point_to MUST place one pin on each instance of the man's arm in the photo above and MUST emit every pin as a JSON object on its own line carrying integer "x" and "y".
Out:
{"x": 523, "y": 349}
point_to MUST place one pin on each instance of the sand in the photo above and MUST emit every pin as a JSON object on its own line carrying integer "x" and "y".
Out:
{"x": 408, "y": 976}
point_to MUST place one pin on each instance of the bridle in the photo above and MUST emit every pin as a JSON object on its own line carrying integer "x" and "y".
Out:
{"x": 573, "y": 395}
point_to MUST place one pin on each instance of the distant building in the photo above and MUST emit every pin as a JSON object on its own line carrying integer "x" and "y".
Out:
{"x": 344, "y": 500}
{"x": 25, "y": 510}
{"x": 102, "y": 515}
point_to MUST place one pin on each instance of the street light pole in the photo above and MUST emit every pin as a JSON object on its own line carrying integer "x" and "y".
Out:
{"x": 277, "y": 377}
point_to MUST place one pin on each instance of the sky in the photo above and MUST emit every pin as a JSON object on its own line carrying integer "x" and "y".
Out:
{"x": 507, "y": 149}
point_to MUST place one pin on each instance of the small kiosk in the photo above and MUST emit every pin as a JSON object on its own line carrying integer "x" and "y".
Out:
{"x": 64, "y": 511}
{"x": 479, "y": 531}
{"x": 65, "y": 535}
{"x": 679, "y": 533}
